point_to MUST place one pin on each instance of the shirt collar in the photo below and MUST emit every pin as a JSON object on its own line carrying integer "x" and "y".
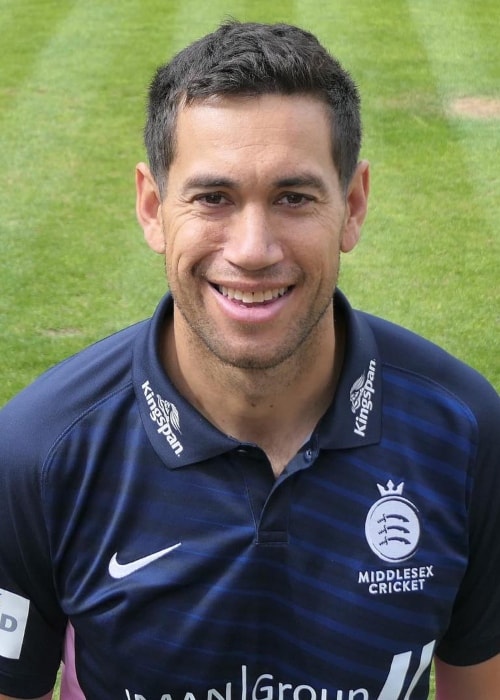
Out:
{"x": 180, "y": 435}
{"x": 354, "y": 418}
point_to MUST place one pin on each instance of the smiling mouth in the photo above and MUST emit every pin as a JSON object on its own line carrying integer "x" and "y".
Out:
{"x": 258, "y": 297}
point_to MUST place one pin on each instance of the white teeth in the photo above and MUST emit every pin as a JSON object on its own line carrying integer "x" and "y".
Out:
{"x": 252, "y": 297}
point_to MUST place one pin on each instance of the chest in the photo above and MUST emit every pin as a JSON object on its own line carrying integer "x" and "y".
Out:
{"x": 217, "y": 574}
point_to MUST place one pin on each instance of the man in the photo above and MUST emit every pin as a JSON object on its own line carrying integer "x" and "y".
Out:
{"x": 259, "y": 493}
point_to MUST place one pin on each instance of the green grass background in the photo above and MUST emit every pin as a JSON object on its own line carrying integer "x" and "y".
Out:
{"x": 73, "y": 79}
{"x": 73, "y": 266}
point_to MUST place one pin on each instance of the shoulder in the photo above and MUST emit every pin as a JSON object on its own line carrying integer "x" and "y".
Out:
{"x": 414, "y": 360}
{"x": 32, "y": 420}
{"x": 428, "y": 385}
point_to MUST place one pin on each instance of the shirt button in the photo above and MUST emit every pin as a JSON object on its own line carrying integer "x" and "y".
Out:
{"x": 308, "y": 455}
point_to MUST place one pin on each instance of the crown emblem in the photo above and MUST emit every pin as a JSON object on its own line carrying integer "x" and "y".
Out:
{"x": 390, "y": 489}
{"x": 392, "y": 526}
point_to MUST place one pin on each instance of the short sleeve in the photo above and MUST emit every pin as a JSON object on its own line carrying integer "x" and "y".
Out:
{"x": 473, "y": 634}
{"x": 31, "y": 622}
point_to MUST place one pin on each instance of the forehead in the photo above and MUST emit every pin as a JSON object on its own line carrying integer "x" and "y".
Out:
{"x": 244, "y": 131}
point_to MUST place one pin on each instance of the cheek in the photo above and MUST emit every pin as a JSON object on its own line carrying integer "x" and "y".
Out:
{"x": 320, "y": 245}
{"x": 191, "y": 244}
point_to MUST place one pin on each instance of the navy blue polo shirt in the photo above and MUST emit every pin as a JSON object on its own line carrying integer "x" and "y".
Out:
{"x": 180, "y": 568}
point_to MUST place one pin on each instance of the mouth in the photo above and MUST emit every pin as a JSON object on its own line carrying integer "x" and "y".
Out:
{"x": 261, "y": 296}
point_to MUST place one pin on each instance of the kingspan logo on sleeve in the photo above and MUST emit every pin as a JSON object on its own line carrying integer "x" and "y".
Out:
{"x": 361, "y": 396}
{"x": 165, "y": 415}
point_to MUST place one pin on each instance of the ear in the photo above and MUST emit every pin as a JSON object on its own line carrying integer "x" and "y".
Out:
{"x": 356, "y": 206}
{"x": 148, "y": 208}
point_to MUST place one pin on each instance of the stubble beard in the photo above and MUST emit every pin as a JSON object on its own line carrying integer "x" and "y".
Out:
{"x": 295, "y": 349}
{"x": 296, "y": 352}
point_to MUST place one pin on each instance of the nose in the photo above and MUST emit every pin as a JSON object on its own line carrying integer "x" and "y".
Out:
{"x": 251, "y": 243}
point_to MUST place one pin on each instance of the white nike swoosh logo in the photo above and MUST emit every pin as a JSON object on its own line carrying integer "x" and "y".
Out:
{"x": 117, "y": 570}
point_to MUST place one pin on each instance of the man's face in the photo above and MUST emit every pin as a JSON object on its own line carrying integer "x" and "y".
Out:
{"x": 252, "y": 225}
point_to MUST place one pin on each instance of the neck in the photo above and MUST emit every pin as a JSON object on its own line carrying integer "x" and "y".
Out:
{"x": 276, "y": 409}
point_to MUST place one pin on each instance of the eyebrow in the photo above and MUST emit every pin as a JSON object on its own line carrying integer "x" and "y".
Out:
{"x": 302, "y": 180}
{"x": 207, "y": 181}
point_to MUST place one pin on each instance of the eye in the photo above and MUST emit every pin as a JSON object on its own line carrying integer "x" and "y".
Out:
{"x": 294, "y": 199}
{"x": 212, "y": 199}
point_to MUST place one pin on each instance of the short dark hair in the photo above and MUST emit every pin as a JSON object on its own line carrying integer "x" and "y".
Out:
{"x": 253, "y": 59}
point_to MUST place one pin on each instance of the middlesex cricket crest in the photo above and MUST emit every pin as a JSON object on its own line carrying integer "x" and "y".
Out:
{"x": 392, "y": 526}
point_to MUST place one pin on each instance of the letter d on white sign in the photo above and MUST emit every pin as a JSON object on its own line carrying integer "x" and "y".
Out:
{"x": 13, "y": 618}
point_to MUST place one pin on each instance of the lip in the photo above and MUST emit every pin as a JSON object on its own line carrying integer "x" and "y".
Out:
{"x": 252, "y": 296}
{"x": 266, "y": 305}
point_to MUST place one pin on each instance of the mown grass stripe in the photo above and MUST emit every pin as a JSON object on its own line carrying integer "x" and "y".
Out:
{"x": 26, "y": 26}
{"x": 71, "y": 137}
{"x": 466, "y": 62}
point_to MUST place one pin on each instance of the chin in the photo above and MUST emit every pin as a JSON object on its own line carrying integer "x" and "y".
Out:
{"x": 256, "y": 361}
